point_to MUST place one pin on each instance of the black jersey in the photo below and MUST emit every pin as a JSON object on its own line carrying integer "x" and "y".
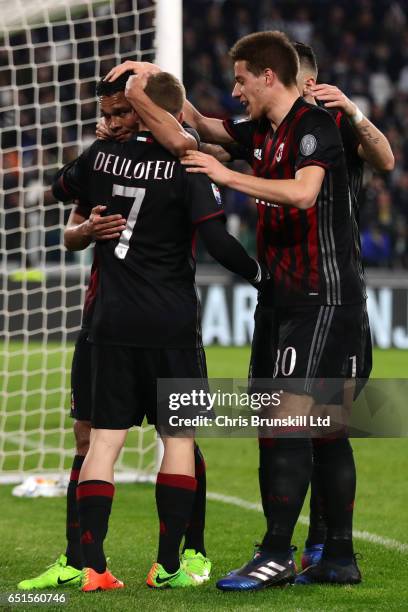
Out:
{"x": 90, "y": 295}
{"x": 311, "y": 253}
{"x": 355, "y": 164}
{"x": 146, "y": 294}
{"x": 355, "y": 167}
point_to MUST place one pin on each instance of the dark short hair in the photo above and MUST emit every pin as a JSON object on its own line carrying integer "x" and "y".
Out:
{"x": 106, "y": 88}
{"x": 307, "y": 56}
{"x": 165, "y": 90}
{"x": 271, "y": 49}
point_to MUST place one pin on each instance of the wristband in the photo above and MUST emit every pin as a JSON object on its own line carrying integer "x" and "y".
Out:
{"x": 357, "y": 117}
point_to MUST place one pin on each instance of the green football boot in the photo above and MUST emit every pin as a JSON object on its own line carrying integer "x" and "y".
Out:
{"x": 59, "y": 574}
{"x": 158, "y": 578}
{"x": 195, "y": 564}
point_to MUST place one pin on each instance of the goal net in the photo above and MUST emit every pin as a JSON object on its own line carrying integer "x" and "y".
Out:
{"x": 52, "y": 52}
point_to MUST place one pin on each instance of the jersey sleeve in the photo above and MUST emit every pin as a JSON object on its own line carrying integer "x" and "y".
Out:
{"x": 192, "y": 132}
{"x": 71, "y": 181}
{"x": 239, "y": 152}
{"x": 241, "y": 131}
{"x": 317, "y": 141}
{"x": 203, "y": 198}
{"x": 83, "y": 208}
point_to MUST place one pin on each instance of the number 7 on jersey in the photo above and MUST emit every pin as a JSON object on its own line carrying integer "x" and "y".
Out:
{"x": 138, "y": 194}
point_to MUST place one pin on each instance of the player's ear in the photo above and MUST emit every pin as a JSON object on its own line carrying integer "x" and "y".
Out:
{"x": 269, "y": 77}
{"x": 180, "y": 117}
{"x": 310, "y": 82}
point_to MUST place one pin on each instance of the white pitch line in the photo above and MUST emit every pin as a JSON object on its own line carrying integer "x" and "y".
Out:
{"x": 360, "y": 535}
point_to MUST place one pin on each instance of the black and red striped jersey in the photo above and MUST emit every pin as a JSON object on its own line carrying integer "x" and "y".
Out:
{"x": 312, "y": 254}
{"x": 145, "y": 294}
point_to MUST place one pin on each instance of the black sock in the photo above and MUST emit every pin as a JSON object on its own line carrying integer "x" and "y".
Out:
{"x": 264, "y": 444}
{"x": 94, "y": 507}
{"x": 318, "y": 521}
{"x": 337, "y": 477}
{"x": 286, "y": 466}
{"x": 174, "y": 498}
{"x": 194, "y": 537}
{"x": 73, "y": 552}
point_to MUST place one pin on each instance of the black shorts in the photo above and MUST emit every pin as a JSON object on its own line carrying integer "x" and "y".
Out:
{"x": 124, "y": 381}
{"x": 310, "y": 350}
{"x": 81, "y": 395}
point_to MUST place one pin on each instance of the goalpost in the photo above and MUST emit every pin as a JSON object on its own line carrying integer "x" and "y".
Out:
{"x": 52, "y": 52}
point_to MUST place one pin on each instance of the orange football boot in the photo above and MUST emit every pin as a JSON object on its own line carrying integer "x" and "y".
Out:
{"x": 92, "y": 581}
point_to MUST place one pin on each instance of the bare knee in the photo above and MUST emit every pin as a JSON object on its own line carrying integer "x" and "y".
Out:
{"x": 82, "y": 432}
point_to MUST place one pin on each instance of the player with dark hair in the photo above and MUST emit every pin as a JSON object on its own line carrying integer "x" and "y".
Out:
{"x": 362, "y": 141}
{"x": 146, "y": 313}
{"x": 305, "y": 236}
{"x": 331, "y": 268}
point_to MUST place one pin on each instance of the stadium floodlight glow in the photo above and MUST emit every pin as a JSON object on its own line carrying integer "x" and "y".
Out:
{"x": 53, "y": 53}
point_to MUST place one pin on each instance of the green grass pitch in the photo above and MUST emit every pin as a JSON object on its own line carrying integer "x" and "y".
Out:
{"x": 32, "y": 530}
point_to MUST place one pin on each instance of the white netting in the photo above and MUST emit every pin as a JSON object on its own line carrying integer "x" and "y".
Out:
{"x": 52, "y": 53}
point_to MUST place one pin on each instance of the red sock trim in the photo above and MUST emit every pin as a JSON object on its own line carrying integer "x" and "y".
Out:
{"x": 105, "y": 489}
{"x": 181, "y": 481}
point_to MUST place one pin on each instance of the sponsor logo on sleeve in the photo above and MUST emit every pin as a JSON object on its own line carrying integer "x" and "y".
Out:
{"x": 308, "y": 145}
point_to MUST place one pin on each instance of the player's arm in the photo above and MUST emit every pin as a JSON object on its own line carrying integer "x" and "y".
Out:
{"x": 207, "y": 215}
{"x": 216, "y": 151}
{"x": 210, "y": 130}
{"x": 84, "y": 227}
{"x": 229, "y": 252}
{"x": 166, "y": 129}
{"x": 301, "y": 192}
{"x": 226, "y": 153}
{"x": 374, "y": 147}
{"x": 71, "y": 181}
{"x": 318, "y": 147}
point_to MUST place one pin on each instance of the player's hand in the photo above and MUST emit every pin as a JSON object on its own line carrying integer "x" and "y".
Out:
{"x": 207, "y": 164}
{"x": 333, "y": 97}
{"x": 103, "y": 132}
{"x": 136, "y": 67}
{"x": 136, "y": 83}
{"x": 104, "y": 228}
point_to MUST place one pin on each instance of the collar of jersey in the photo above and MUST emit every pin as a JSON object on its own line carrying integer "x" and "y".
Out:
{"x": 295, "y": 107}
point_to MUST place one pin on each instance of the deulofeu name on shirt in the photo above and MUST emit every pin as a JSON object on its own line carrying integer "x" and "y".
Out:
{"x": 127, "y": 168}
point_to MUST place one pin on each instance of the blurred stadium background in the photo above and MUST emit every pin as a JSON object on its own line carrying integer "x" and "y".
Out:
{"x": 51, "y": 54}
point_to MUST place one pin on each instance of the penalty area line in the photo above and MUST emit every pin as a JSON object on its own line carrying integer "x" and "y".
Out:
{"x": 389, "y": 543}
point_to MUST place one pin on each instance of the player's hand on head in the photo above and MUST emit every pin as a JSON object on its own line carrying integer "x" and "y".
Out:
{"x": 207, "y": 164}
{"x": 136, "y": 83}
{"x": 107, "y": 227}
{"x": 136, "y": 67}
{"x": 333, "y": 97}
